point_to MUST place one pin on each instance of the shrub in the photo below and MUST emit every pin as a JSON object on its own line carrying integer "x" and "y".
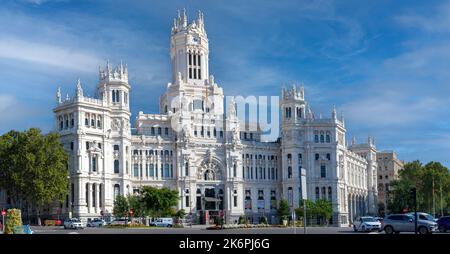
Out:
{"x": 13, "y": 219}
{"x": 263, "y": 220}
{"x": 242, "y": 219}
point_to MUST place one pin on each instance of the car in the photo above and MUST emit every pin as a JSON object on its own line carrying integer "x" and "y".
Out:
{"x": 396, "y": 223}
{"x": 73, "y": 223}
{"x": 96, "y": 222}
{"x": 423, "y": 216}
{"x": 162, "y": 222}
{"x": 119, "y": 221}
{"x": 366, "y": 223}
{"x": 444, "y": 224}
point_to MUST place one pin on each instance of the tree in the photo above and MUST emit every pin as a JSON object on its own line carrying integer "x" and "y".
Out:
{"x": 283, "y": 209}
{"x": 324, "y": 209}
{"x": 310, "y": 209}
{"x": 121, "y": 206}
{"x": 180, "y": 214}
{"x": 432, "y": 182}
{"x": 135, "y": 203}
{"x": 159, "y": 202}
{"x": 33, "y": 168}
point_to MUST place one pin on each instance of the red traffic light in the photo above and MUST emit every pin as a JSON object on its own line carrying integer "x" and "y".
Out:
{"x": 3, "y": 212}
{"x": 405, "y": 210}
{"x": 131, "y": 211}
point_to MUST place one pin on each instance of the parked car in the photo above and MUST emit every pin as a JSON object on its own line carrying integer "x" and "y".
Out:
{"x": 96, "y": 222}
{"x": 423, "y": 216}
{"x": 366, "y": 223}
{"x": 162, "y": 222}
{"x": 73, "y": 223}
{"x": 444, "y": 224}
{"x": 120, "y": 221}
{"x": 396, "y": 223}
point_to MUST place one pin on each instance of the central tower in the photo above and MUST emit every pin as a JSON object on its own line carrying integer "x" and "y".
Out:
{"x": 189, "y": 50}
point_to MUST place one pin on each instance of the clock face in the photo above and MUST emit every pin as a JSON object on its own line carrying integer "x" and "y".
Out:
{"x": 195, "y": 39}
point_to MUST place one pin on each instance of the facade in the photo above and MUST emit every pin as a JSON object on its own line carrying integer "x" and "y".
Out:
{"x": 194, "y": 146}
{"x": 389, "y": 168}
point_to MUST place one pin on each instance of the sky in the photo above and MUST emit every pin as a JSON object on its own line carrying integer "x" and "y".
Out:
{"x": 385, "y": 64}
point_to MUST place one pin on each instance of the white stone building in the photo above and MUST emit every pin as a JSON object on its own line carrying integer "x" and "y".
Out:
{"x": 194, "y": 147}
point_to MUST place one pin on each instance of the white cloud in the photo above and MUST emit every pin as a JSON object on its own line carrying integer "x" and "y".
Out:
{"x": 391, "y": 109}
{"x": 438, "y": 21}
{"x": 53, "y": 55}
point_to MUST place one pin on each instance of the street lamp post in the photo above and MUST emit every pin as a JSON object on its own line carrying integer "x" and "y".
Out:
{"x": 304, "y": 196}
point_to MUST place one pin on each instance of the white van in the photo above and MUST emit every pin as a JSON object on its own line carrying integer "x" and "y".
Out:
{"x": 163, "y": 222}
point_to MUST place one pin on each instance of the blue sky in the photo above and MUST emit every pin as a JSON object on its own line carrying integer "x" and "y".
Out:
{"x": 384, "y": 63}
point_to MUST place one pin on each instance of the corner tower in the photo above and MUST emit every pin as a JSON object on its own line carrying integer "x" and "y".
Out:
{"x": 189, "y": 49}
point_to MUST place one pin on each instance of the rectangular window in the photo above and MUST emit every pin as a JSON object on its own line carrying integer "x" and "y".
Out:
{"x": 152, "y": 170}
{"x": 235, "y": 201}
{"x": 190, "y": 58}
{"x": 94, "y": 163}
{"x": 136, "y": 170}
{"x": 199, "y": 74}
{"x": 116, "y": 166}
{"x": 71, "y": 146}
{"x": 190, "y": 73}
{"x": 187, "y": 201}
{"x": 195, "y": 58}
{"x": 317, "y": 156}
{"x": 323, "y": 171}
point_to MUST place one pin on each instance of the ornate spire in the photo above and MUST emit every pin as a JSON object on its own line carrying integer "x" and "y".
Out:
{"x": 333, "y": 113}
{"x": 184, "y": 18}
{"x": 354, "y": 140}
{"x": 58, "y": 95}
{"x": 302, "y": 92}
{"x": 369, "y": 140}
{"x": 342, "y": 118}
{"x": 79, "y": 89}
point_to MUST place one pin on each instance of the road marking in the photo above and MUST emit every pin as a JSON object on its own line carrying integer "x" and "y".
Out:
{"x": 73, "y": 233}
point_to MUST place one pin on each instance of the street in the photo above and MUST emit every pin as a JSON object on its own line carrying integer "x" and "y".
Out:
{"x": 200, "y": 230}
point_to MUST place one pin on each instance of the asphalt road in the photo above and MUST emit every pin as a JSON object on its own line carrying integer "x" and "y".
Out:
{"x": 198, "y": 230}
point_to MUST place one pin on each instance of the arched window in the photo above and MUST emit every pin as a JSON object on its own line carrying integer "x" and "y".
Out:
{"x": 86, "y": 119}
{"x": 329, "y": 193}
{"x": 159, "y": 130}
{"x": 317, "y": 193}
{"x": 316, "y": 136}
{"x": 87, "y": 194}
{"x": 324, "y": 193}
{"x": 116, "y": 190}
{"x": 328, "y": 137}
{"x": 94, "y": 195}
{"x": 234, "y": 170}
{"x": 99, "y": 122}
{"x": 186, "y": 169}
{"x": 322, "y": 138}
{"x": 61, "y": 123}
{"x": 289, "y": 172}
{"x": 152, "y": 131}
{"x": 66, "y": 120}
{"x": 72, "y": 121}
